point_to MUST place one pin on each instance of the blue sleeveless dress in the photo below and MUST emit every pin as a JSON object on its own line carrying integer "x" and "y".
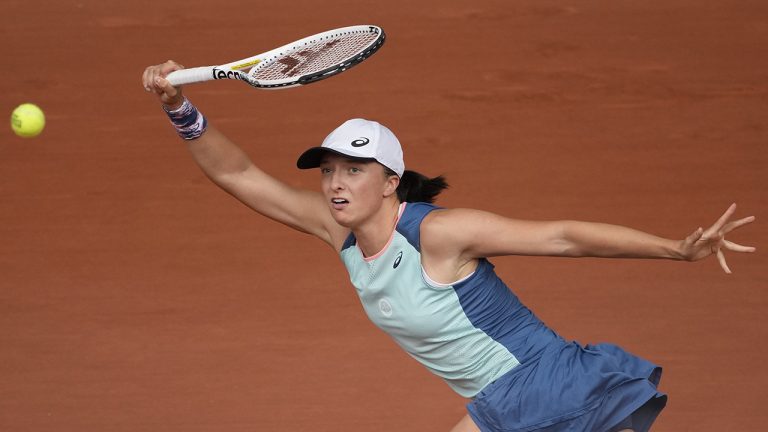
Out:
{"x": 487, "y": 346}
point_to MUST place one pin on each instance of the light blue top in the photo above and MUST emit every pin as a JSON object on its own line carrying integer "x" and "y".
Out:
{"x": 469, "y": 333}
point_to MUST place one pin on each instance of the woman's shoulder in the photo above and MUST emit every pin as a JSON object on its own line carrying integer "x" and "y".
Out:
{"x": 442, "y": 215}
{"x": 421, "y": 207}
{"x": 452, "y": 225}
{"x": 442, "y": 223}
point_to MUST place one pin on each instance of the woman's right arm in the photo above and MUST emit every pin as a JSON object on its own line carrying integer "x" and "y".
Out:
{"x": 230, "y": 168}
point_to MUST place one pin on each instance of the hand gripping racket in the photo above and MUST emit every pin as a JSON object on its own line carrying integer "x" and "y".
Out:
{"x": 298, "y": 63}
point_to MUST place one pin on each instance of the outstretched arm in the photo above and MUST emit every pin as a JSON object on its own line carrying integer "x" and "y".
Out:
{"x": 230, "y": 168}
{"x": 485, "y": 234}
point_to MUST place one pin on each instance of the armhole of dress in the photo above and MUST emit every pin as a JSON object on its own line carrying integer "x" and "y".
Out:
{"x": 435, "y": 284}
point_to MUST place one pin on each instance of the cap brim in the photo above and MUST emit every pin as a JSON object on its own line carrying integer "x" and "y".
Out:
{"x": 312, "y": 157}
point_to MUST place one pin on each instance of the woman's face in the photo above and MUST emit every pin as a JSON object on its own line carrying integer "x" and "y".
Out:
{"x": 354, "y": 189}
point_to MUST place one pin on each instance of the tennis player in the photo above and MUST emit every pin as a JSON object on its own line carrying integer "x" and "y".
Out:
{"x": 423, "y": 276}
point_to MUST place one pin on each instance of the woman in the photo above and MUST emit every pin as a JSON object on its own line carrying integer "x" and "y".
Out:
{"x": 422, "y": 275}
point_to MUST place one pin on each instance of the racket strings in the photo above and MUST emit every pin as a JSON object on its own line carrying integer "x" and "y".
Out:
{"x": 315, "y": 56}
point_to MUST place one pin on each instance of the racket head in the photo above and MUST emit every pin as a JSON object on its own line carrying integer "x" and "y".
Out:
{"x": 311, "y": 59}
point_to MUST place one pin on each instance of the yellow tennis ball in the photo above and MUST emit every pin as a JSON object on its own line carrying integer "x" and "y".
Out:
{"x": 27, "y": 120}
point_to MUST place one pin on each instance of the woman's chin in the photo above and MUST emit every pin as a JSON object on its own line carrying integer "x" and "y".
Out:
{"x": 341, "y": 219}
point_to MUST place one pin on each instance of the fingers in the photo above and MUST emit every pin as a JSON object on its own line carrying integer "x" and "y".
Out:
{"x": 702, "y": 243}
{"x": 696, "y": 234}
{"x": 721, "y": 259}
{"x": 723, "y": 219}
{"x": 724, "y": 228}
{"x": 737, "y": 247}
{"x": 730, "y": 226}
{"x": 693, "y": 238}
{"x": 150, "y": 77}
{"x": 152, "y": 73}
{"x": 731, "y": 246}
{"x": 147, "y": 79}
{"x": 165, "y": 86}
{"x": 169, "y": 67}
{"x": 153, "y": 80}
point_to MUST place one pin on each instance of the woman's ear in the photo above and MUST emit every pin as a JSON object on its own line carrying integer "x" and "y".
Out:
{"x": 390, "y": 187}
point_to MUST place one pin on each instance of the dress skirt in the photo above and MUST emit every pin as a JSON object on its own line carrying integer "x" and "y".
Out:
{"x": 572, "y": 388}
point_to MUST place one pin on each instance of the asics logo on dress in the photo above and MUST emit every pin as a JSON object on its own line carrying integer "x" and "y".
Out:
{"x": 360, "y": 142}
{"x": 397, "y": 260}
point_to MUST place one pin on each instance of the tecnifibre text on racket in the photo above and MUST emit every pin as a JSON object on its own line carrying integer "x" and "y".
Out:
{"x": 298, "y": 63}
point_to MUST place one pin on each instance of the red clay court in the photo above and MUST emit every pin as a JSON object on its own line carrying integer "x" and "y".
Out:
{"x": 136, "y": 296}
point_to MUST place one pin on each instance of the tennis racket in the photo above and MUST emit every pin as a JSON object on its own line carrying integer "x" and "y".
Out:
{"x": 298, "y": 63}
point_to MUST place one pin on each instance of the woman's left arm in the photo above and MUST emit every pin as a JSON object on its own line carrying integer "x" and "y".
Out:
{"x": 483, "y": 234}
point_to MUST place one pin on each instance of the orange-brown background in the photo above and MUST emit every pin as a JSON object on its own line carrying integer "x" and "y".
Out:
{"x": 134, "y": 296}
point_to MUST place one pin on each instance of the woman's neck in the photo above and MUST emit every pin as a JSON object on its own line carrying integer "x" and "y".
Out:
{"x": 374, "y": 234}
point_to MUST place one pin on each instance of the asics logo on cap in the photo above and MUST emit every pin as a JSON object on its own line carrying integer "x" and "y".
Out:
{"x": 360, "y": 142}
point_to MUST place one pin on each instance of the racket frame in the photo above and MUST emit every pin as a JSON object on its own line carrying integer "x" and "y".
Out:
{"x": 236, "y": 69}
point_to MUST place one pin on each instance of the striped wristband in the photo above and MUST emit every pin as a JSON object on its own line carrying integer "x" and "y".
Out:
{"x": 188, "y": 121}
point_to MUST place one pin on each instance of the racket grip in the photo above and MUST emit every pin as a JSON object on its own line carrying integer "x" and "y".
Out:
{"x": 190, "y": 76}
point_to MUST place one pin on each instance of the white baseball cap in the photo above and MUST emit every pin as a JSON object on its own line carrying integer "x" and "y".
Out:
{"x": 358, "y": 139}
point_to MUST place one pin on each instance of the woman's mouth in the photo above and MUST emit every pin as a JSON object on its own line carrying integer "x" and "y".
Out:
{"x": 339, "y": 203}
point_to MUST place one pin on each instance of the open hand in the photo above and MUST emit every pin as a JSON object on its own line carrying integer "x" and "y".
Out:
{"x": 703, "y": 243}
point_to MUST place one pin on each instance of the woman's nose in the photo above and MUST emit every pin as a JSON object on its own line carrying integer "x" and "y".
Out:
{"x": 337, "y": 182}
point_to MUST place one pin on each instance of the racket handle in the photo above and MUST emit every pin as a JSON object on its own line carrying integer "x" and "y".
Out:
{"x": 190, "y": 76}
